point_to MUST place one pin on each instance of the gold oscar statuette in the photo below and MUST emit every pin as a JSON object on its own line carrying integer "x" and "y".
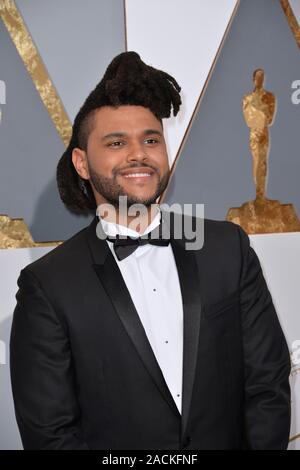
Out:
{"x": 262, "y": 215}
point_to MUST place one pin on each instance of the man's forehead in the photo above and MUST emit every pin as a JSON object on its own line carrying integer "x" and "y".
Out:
{"x": 124, "y": 110}
{"x": 108, "y": 119}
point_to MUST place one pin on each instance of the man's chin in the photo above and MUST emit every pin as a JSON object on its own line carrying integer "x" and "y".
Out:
{"x": 140, "y": 197}
{"x": 143, "y": 201}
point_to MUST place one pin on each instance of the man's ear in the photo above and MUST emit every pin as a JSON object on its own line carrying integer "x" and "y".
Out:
{"x": 79, "y": 160}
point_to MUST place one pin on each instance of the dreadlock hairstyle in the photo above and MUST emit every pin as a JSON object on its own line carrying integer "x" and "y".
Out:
{"x": 127, "y": 81}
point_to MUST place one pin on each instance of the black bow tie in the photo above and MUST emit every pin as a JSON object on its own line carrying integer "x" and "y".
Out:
{"x": 124, "y": 246}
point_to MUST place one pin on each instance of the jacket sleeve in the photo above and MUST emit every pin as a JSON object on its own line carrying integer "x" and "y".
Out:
{"x": 266, "y": 360}
{"x": 42, "y": 374}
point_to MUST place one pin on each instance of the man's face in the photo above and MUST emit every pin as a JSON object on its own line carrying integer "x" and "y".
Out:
{"x": 126, "y": 155}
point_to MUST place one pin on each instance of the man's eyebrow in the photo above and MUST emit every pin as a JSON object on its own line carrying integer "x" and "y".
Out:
{"x": 152, "y": 131}
{"x": 123, "y": 134}
{"x": 114, "y": 134}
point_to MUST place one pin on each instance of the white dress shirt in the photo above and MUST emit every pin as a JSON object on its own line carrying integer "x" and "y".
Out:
{"x": 150, "y": 274}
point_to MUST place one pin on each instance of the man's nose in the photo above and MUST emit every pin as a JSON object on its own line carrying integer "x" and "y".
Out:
{"x": 136, "y": 151}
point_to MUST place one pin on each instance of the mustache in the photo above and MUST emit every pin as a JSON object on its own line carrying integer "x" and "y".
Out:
{"x": 136, "y": 165}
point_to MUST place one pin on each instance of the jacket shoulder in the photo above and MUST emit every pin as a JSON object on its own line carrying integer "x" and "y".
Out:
{"x": 64, "y": 255}
{"x": 223, "y": 237}
{"x": 221, "y": 227}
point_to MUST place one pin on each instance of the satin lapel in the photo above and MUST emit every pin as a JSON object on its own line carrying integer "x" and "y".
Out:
{"x": 112, "y": 281}
{"x": 190, "y": 291}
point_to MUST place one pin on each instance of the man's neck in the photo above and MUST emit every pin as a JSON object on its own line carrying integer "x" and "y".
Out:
{"x": 138, "y": 222}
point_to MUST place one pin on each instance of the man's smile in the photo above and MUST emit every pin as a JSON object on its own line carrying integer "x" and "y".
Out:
{"x": 138, "y": 175}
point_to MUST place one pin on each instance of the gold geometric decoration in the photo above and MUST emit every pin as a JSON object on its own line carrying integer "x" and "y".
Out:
{"x": 262, "y": 215}
{"x": 295, "y": 27}
{"x": 14, "y": 233}
{"x": 24, "y": 44}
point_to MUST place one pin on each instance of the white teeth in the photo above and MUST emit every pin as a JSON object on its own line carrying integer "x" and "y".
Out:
{"x": 135, "y": 175}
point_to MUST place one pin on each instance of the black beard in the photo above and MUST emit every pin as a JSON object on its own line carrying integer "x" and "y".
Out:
{"x": 111, "y": 190}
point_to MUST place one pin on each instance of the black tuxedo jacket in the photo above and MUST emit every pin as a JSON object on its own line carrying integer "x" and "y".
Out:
{"x": 84, "y": 375}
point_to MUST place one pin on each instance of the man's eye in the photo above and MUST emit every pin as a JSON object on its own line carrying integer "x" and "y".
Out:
{"x": 151, "y": 141}
{"x": 116, "y": 143}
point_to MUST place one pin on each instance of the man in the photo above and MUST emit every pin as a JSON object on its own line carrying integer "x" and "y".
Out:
{"x": 121, "y": 344}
